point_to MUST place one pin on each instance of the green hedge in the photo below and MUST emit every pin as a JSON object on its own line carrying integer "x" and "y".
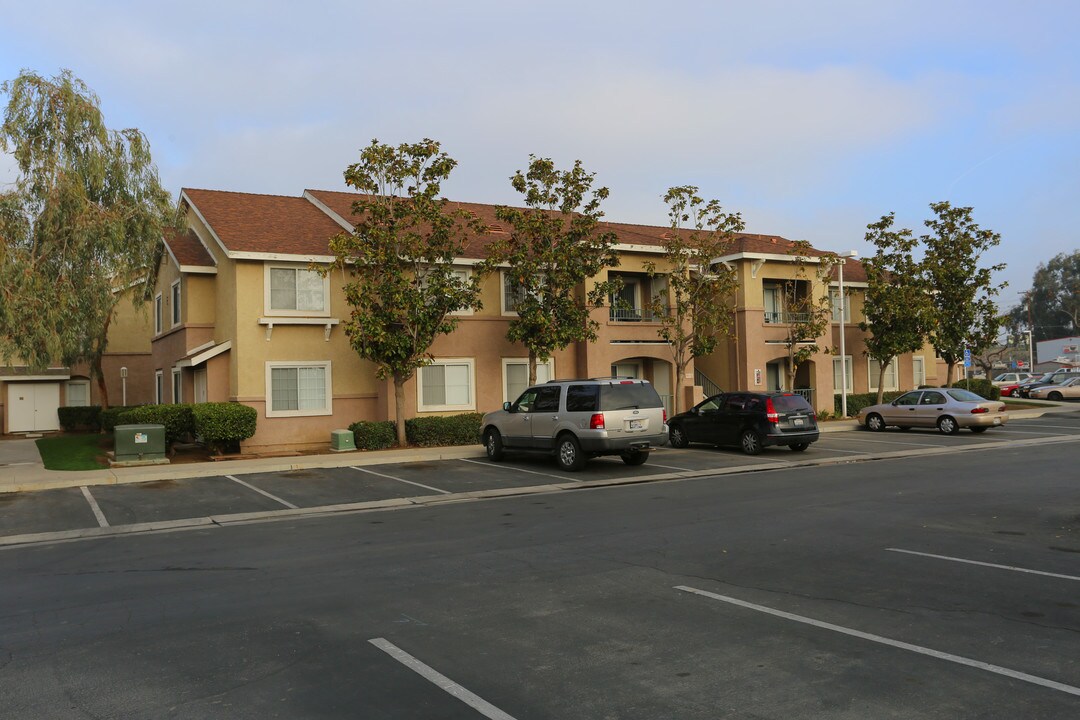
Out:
{"x": 177, "y": 419}
{"x": 444, "y": 430}
{"x": 85, "y": 417}
{"x": 858, "y": 401}
{"x": 374, "y": 435}
{"x": 110, "y": 417}
{"x": 222, "y": 425}
{"x": 982, "y": 387}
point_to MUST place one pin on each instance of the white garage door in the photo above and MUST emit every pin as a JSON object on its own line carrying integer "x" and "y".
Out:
{"x": 32, "y": 407}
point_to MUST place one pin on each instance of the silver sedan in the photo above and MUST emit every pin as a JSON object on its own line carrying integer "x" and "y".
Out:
{"x": 1067, "y": 389}
{"x": 947, "y": 409}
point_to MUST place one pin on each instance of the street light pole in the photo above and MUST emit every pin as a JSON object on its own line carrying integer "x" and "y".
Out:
{"x": 1031, "y": 354}
{"x": 843, "y": 348}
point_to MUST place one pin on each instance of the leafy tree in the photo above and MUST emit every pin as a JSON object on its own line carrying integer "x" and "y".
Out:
{"x": 807, "y": 316}
{"x": 399, "y": 259}
{"x": 1051, "y": 309}
{"x": 555, "y": 245}
{"x": 693, "y": 308}
{"x": 81, "y": 224}
{"x": 897, "y": 302}
{"x": 963, "y": 313}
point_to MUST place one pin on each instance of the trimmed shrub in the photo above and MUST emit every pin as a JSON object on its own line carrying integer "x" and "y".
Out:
{"x": 222, "y": 425}
{"x": 444, "y": 430}
{"x": 177, "y": 419}
{"x": 86, "y": 417}
{"x": 982, "y": 387}
{"x": 858, "y": 401}
{"x": 110, "y": 416}
{"x": 374, "y": 435}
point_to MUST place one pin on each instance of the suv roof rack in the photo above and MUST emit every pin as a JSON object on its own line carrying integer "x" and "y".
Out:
{"x": 596, "y": 379}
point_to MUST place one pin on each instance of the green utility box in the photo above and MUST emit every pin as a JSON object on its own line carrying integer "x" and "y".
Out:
{"x": 133, "y": 443}
{"x": 342, "y": 440}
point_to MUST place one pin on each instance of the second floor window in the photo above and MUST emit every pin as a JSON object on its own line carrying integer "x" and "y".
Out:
{"x": 834, "y": 300}
{"x": 297, "y": 290}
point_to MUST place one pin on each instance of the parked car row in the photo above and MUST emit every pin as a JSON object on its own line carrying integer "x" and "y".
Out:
{"x": 575, "y": 420}
{"x": 1055, "y": 378}
{"x": 1063, "y": 390}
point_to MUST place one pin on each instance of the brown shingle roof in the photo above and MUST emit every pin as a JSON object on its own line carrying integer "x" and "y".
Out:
{"x": 265, "y": 223}
{"x": 188, "y": 249}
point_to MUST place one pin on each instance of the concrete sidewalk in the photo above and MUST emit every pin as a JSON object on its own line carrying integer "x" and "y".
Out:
{"x": 21, "y": 468}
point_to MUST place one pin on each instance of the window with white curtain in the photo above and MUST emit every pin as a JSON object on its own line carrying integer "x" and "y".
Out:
{"x": 296, "y": 290}
{"x": 890, "y": 375}
{"x": 516, "y": 376}
{"x": 837, "y": 380}
{"x": 918, "y": 370}
{"x": 78, "y": 393}
{"x": 297, "y": 389}
{"x": 446, "y": 385}
{"x": 834, "y": 300}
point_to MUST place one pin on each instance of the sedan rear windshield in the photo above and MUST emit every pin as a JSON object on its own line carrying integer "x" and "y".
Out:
{"x": 628, "y": 395}
{"x": 965, "y": 395}
{"x": 790, "y": 403}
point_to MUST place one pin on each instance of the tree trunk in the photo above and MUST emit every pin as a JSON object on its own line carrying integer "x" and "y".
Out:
{"x": 680, "y": 371}
{"x": 532, "y": 368}
{"x": 949, "y": 364}
{"x": 95, "y": 370}
{"x": 881, "y": 382}
{"x": 399, "y": 409}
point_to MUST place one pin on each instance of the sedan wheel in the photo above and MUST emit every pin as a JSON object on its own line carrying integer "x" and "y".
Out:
{"x": 947, "y": 425}
{"x": 677, "y": 437}
{"x": 875, "y": 422}
{"x": 1054, "y": 396}
{"x": 979, "y": 429}
{"x": 570, "y": 456}
{"x": 751, "y": 443}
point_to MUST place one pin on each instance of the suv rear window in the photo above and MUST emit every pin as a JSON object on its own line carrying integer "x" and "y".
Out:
{"x": 582, "y": 398}
{"x": 624, "y": 396}
{"x": 791, "y": 403}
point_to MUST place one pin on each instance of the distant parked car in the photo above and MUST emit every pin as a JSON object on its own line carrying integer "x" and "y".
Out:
{"x": 947, "y": 409}
{"x": 1051, "y": 378}
{"x": 749, "y": 420}
{"x": 1010, "y": 390}
{"x": 1067, "y": 389}
{"x": 1012, "y": 378}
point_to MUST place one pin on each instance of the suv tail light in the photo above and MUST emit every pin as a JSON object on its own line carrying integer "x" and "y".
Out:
{"x": 770, "y": 411}
{"x": 596, "y": 422}
{"x": 665, "y": 416}
{"x": 979, "y": 410}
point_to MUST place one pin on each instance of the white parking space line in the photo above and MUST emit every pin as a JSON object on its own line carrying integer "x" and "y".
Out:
{"x": 1010, "y": 431}
{"x": 984, "y": 564}
{"x": 958, "y": 659}
{"x": 521, "y": 470}
{"x": 441, "y": 681}
{"x": 886, "y": 441}
{"x": 401, "y": 480}
{"x": 1056, "y": 427}
{"x": 669, "y": 467}
{"x": 102, "y": 522}
{"x": 249, "y": 486}
{"x": 850, "y": 452}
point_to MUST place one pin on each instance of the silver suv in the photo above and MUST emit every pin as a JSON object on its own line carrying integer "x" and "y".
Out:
{"x": 579, "y": 419}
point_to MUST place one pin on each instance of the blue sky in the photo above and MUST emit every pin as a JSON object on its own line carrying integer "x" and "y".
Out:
{"x": 812, "y": 119}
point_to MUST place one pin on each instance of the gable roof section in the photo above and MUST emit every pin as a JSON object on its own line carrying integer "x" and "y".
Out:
{"x": 188, "y": 252}
{"x": 257, "y": 227}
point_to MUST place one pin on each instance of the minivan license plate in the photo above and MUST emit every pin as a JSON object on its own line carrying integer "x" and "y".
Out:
{"x": 798, "y": 421}
{"x": 635, "y": 424}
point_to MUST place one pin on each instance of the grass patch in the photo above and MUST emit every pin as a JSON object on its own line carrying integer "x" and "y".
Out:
{"x": 73, "y": 452}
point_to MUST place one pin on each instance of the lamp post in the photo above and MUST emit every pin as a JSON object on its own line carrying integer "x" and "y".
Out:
{"x": 1031, "y": 354}
{"x": 843, "y": 350}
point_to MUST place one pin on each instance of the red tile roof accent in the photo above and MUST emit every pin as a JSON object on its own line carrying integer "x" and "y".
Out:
{"x": 265, "y": 223}
{"x": 188, "y": 249}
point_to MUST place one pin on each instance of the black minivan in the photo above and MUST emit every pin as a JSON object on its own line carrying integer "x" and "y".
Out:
{"x": 749, "y": 420}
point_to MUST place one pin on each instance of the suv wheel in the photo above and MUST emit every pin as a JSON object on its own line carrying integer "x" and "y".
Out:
{"x": 750, "y": 442}
{"x": 677, "y": 437}
{"x": 569, "y": 453}
{"x": 493, "y": 444}
{"x": 634, "y": 458}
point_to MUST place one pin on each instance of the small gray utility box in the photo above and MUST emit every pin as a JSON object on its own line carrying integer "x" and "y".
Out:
{"x": 139, "y": 442}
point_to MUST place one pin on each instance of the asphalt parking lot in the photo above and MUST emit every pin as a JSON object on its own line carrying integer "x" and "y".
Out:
{"x": 30, "y": 516}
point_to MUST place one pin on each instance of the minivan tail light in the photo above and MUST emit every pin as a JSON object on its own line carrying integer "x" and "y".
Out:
{"x": 979, "y": 410}
{"x": 770, "y": 411}
{"x": 596, "y": 422}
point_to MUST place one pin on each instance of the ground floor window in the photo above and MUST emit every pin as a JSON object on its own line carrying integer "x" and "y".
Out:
{"x": 177, "y": 394}
{"x": 296, "y": 389}
{"x": 838, "y": 384}
{"x": 890, "y": 375}
{"x": 516, "y": 376}
{"x": 918, "y": 370}
{"x": 446, "y": 385}
{"x": 78, "y": 393}
{"x": 159, "y": 387}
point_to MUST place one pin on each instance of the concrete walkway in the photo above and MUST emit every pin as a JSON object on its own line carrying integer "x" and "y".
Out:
{"x": 21, "y": 468}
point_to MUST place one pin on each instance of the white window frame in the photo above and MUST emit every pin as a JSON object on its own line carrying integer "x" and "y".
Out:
{"x": 67, "y": 392}
{"x": 918, "y": 376}
{"x": 177, "y": 386}
{"x": 837, "y": 389}
{"x": 470, "y": 405}
{"x": 159, "y": 317}
{"x": 507, "y": 362}
{"x": 309, "y": 412}
{"x": 504, "y": 278}
{"x": 466, "y": 275}
{"x": 159, "y": 386}
{"x": 834, "y": 305}
{"x": 270, "y": 311}
{"x": 871, "y": 376}
{"x": 174, "y": 299}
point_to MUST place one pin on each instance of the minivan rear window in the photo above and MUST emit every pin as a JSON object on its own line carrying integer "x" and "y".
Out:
{"x": 791, "y": 403}
{"x": 624, "y": 396}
